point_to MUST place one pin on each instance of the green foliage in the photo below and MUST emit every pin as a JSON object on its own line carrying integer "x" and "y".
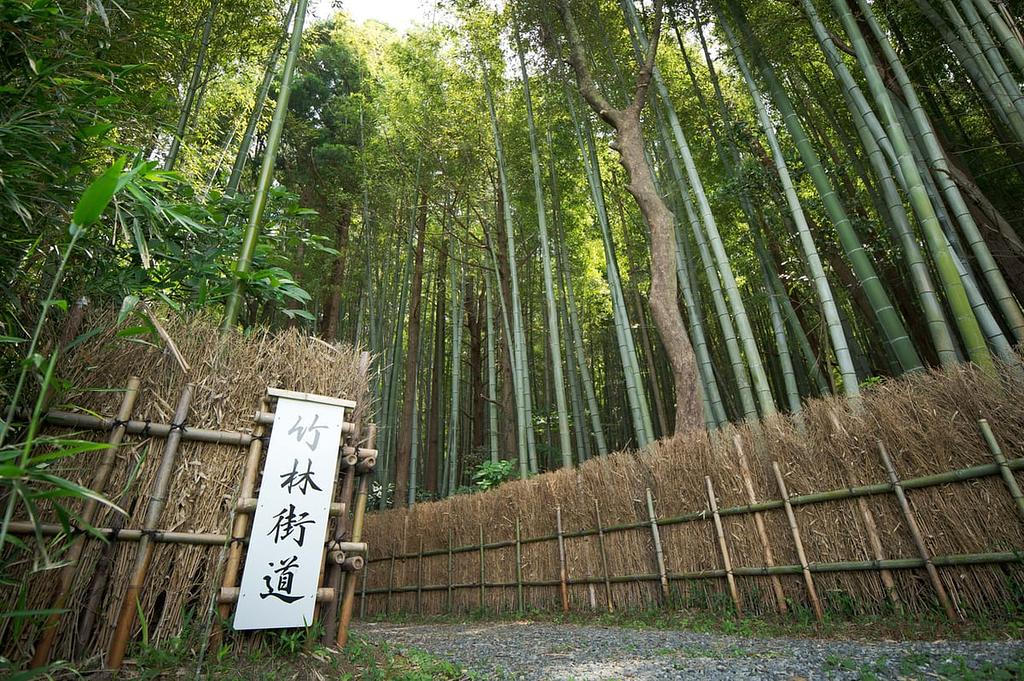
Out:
{"x": 490, "y": 474}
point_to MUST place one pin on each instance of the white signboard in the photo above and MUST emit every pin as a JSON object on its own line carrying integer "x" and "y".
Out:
{"x": 282, "y": 565}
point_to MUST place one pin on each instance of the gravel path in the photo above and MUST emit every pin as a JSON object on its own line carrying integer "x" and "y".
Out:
{"x": 545, "y": 651}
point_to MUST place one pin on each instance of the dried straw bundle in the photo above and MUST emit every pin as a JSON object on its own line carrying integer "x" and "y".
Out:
{"x": 928, "y": 423}
{"x": 229, "y": 379}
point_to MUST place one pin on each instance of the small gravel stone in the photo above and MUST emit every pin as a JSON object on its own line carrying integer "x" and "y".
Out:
{"x": 534, "y": 651}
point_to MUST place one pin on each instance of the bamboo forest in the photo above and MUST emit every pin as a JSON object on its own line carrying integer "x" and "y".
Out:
{"x": 522, "y": 236}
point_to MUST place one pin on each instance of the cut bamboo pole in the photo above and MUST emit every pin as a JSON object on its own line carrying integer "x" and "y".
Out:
{"x": 482, "y": 579}
{"x": 335, "y": 573}
{"x": 97, "y": 590}
{"x": 519, "y": 569}
{"x": 358, "y": 515}
{"x": 419, "y": 578}
{"x": 451, "y": 559}
{"x": 794, "y": 530}
{"x": 391, "y": 584}
{"x": 239, "y": 527}
{"x": 362, "y": 591}
{"x": 762, "y": 533}
{"x": 144, "y": 553}
{"x": 659, "y": 554}
{"x": 604, "y": 557}
{"x": 915, "y": 533}
{"x": 1004, "y": 468}
{"x": 723, "y": 547}
{"x": 66, "y": 576}
{"x": 563, "y": 573}
{"x": 229, "y": 595}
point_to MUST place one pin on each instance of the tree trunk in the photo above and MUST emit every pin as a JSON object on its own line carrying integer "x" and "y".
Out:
{"x": 434, "y": 435}
{"x": 332, "y": 298}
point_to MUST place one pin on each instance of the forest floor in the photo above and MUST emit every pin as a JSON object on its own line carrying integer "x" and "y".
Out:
{"x": 531, "y": 650}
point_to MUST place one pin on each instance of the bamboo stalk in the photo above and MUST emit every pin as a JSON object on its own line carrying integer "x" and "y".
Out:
{"x": 482, "y": 578}
{"x": 157, "y": 500}
{"x": 563, "y": 573}
{"x": 604, "y": 557}
{"x": 659, "y": 554}
{"x": 762, "y": 533}
{"x": 876, "y": 548}
{"x": 519, "y": 569}
{"x": 794, "y": 530}
{"x": 915, "y": 533}
{"x": 1004, "y": 468}
{"x": 97, "y": 591}
{"x": 358, "y": 515}
{"x": 334, "y": 575}
{"x": 362, "y": 594}
{"x": 67, "y": 574}
{"x": 723, "y": 547}
{"x": 229, "y": 595}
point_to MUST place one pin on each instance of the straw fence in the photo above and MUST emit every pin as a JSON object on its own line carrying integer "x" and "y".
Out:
{"x": 717, "y": 532}
{"x": 229, "y": 382}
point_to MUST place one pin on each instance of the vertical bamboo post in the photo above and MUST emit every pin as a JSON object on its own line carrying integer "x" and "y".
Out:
{"x": 419, "y": 577}
{"x": 144, "y": 551}
{"x": 450, "y": 601}
{"x": 659, "y": 554}
{"x": 604, "y": 557}
{"x": 482, "y": 586}
{"x": 762, "y": 533}
{"x": 519, "y": 569}
{"x": 335, "y": 572}
{"x": 563, "y": 573}
{"x": 794, "y": 530}
{"x": 362, "y": 590}
{"x": 915, "y": 533}
{"x": 358, "y": 514}
{"x": 391, "y": 584}
{"x": 240, "y": 525}
{"x": 723, "y": 547}
{"x": 66, "y": 576}
{"x": 1004, "y": 469}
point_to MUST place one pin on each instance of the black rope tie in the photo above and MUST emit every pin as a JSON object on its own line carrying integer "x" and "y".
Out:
{"x": 145, "y": 428}
{"x": 265, "y": 439}
{"x": 180, "y": 427}
{"x": 236, "y": 540}
{"x": 118, "y": 423}
{"x": 115, "y": 532}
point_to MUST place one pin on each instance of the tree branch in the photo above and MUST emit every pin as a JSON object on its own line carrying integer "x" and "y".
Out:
{"x": 643, "y": 78}
{"x": 578, "y": 60}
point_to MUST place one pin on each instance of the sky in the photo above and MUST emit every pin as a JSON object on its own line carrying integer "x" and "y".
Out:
{"x": 400, "y": 14}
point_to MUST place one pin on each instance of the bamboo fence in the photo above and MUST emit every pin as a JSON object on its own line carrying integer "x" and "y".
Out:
{"x": 910, "y": 503}
{"x": 179, "y": 449}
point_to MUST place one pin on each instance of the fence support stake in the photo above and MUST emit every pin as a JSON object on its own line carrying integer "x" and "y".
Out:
{"x": 1004, "y": 469}
{"x": 144, "y": 551}
{"x": 604, "y": 556}
{"x": 519, "y": 568}
{"x": 762, "y": 533}
{"x": 362, "y": 591}
{"x": 391, "y": 584}
{"x": 794, "y": 530}
{"x": 723, "y": 547}
{"x": 915, "y": 533}
{"x": 659, "y": 554}
{"x": 66, "y": 578}
{"x": 450, "y": 560}
{"x": 419, "y": 577}
{"x": 563, "y": 575}
{"x": 358, "y": 516}
{"x": 482, "y": 587}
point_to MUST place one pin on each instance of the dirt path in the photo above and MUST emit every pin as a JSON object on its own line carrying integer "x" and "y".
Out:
{"x": 563, "y": 652}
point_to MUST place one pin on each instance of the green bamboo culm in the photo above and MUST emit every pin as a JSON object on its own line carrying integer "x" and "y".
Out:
{"x": 517, "y": 341}
{"x": 554, "y": 340}
{"x": 193, "y": 87}
{"x": 259, "y": 202}
{"x": 956, "y": 297}
{"x": 892, "y": 326}
{"x": 257, "y": 110}
{"x": 1009, "y": 40}
{"x": 492, "y": 375}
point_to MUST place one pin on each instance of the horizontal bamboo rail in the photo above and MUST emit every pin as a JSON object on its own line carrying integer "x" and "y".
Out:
{"x": 229, "y": 594}
{"x": 25, "y": 528}
{"x": 934, "y": 480}
{"x": 957, "y": 560}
